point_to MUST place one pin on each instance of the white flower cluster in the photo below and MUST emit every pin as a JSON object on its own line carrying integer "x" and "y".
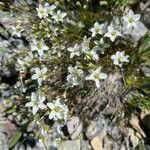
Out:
{"x": 56, "y": 109}
{"x": 45, "y": 10}
{"x": 76, "y": 75}
{"x": 84, "y": 56}
{"x": 37, "y": 102}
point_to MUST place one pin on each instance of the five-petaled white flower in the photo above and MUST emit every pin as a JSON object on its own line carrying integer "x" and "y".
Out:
{"x": 40, "y": 75}
{"x": 75, "y": 76}
{"x": 97, "y": 29}
{"x": 59, "y": 16}
{"x": 42, "y": 11}
{"x": 17, "y": 31}
{"x": 112, "y": 33}
{"x": 22, "y": 63}
{"x": 50, "y": 8}
{"x": 58, "y": 111}
{"x": 39, "y": 46}
{"x": 119, "y": 58}
{"x": 131, "y": 19}
{"x": 85, "y": 45}
{"x": 96, "y": 75}
{"x": 92, "y": 54}
{"x": 74, "y": 50}
{"x": 36, "y": 102}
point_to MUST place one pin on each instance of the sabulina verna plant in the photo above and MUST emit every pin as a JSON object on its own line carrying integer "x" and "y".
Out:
{"x": 71, "y": 48}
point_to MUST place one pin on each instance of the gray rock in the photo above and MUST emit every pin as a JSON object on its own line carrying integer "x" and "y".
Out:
{"x": 139, "y": 32}
{"x": 96, "y": 128}
{"x": 70, "y": 145}
{"x": 115, "y": 133}
{"x": 3, "y": 139}
{"x": 85, "y": 145}
{"x": 74, "y": 126}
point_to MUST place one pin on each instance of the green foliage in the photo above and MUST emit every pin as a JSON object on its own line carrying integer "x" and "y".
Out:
{"x": 136, "y": 80}
{"x": 15, "y": 139}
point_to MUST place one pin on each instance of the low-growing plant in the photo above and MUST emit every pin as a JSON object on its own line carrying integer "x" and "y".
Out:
{"x": 72, "y": 46}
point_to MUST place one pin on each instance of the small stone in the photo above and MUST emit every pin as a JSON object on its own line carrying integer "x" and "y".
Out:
{"x": 115, "y": 146}
{"x": 136, "y": 33}
{"x": 134, "y": 140}
{"x": 122, "y": 147}
{"x": 115, "y": 133}
{"x": 107, "y": 144}
{"x": 3, "y": 139}
{"x": 69, "y": 145}
{"x": 96, "y": 128}
{"x": 134, "y": 121}
{"x": 138, "y": 135}
{"x": 96, "y": 143}
{"x": 85, "y": 145}
{"x": 74, "y": 126}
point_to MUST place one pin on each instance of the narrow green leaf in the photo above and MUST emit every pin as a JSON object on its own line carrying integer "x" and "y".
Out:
{"x": 15, "y": 139}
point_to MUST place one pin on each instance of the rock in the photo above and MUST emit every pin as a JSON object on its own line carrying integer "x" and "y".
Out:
{"x": 96, "y": 128}
{"x": 115, "y": 146}
{"x": 122, "y": 147}
{"x": 134, "y": 121}
{"x": 138, "y": 135}
{"x": 74, "y": 126}
{"x": 107, "y": 144}
{"x": 3, "y": 139}
{"x": 115, "y": 133}
{"x": 96, "y": 143}
{"x": 136, "y": 33}
{"x": 85, "y": 145}
{"x": 70, "y": 145}
{"x": 145, "y": 117}
{"x": 134, "y": 140}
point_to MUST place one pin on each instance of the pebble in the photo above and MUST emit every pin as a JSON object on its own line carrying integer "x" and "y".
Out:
{"x": 74, "y": 126}
{"x": 134, "y": 121}
{"x": 3, "y": 139}
{"x": 96, "y": 143}
{"x": 69, "y": 145}
{"x": 96, "y": 128}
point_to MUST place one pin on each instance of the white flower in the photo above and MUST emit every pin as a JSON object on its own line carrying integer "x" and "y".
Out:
{"x": 100, "y": 46}
{"x": 131, "y": 19}
{"x": 59, "y": 16}
{"x": 50, "y": 8}
{"x": 36, "y": 102}
{"x": 112, "y": 33}
{"x": 39, "y": 46}
{"x": 96, "y": 76}
{"x": 22, "y": 63}
{"x": 75, "y": 76}
{"x": 17, "y": 31}
{"x": 119, "y": 58}
{"x": 92, "y": 54}
{"x": 42, "y": 11}
{"x": 39, "y": 75}
{"x": 85, "y": 45}
{"x": 58, "y": 111}
{"x": 97, "y": 29}
{"x": 74, "y": 50}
